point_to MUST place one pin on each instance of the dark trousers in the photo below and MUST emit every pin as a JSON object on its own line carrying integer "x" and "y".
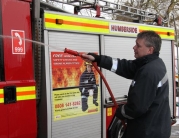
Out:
{"x": 84, "y": 99}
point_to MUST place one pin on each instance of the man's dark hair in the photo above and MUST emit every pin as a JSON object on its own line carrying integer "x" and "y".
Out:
{"x": 152, "y": 39}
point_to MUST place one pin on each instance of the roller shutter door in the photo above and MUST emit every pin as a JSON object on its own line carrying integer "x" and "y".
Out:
{"x": 88, "y": 126}
{"x": 165, "y": 54}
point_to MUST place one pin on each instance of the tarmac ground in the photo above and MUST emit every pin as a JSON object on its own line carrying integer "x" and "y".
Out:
{"x": 175, "y": 130}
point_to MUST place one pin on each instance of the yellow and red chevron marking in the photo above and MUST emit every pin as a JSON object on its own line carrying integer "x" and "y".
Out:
{"x": 164, "y": 32}
{"x": 75, "y": 23}
{"x": 22, "y": 93}
{"x": 25, "y": 93}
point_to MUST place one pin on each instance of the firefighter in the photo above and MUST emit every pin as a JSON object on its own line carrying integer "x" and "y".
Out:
{"x": 88, "y": 86}
{"x": 147, "y": 110}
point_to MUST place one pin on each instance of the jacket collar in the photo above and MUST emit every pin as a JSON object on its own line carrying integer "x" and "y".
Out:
{"x": 146, "y": 59}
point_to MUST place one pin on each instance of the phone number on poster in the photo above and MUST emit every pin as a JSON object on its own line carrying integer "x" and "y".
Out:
{"x": 67, "y": 104}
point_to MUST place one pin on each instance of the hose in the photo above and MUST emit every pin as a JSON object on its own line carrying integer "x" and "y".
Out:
{"x": 75, "y": 53}
{"x": 109, "y": 89}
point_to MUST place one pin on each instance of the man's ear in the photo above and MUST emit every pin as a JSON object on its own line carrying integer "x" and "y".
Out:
{"x": 151, "y": 50}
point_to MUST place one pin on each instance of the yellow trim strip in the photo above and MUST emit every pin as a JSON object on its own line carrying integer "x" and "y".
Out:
{"x": 27, "y": 97}
{"x": 76, "y": 19}
{"x": 99, "y": 26}
{"x": 75, "y": 23}
{"x": 21, "y": 90}
{"x": 1, "y": 91}
{"x": 24, "y": 90}
{"x": 76, "y": 28}
{"x": 163, "y": 32}
{"x": 1, "y": 100}
{"x": 28, "y": 88}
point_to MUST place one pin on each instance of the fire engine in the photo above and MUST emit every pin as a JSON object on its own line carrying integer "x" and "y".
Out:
{"x": 39, "y": 87}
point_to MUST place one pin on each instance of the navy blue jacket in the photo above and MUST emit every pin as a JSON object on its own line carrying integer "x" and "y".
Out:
{"x": 147, "y": 109}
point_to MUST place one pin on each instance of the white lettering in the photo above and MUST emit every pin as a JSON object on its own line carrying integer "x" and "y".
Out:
{"x": 57, "y": 55}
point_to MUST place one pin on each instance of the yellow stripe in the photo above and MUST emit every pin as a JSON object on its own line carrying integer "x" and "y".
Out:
{"x": 28, "y": 88}
{"x": 24, "y": 89}
{"x": 167, "y": 37}
{"x": 76, "y": 19}
{"x": 162, "y": 30}
{"x": 89, "y": 25}
{"x": 75, "y": 28}
{"x": 23, "y": 97}
{"x": 1, "y": 100}
{"x": 1, "y": 91}
{"x": 155, "y": 28}
{"x": 21, "y": 89}
{"x": 27, "y": 97}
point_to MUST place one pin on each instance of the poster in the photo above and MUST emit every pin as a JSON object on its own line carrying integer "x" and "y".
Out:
{"x": 75, "y": 85}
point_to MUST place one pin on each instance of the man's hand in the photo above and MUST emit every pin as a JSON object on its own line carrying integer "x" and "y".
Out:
{"x": 118, "y": 113}
{"x": 91, "y": 57}
{"x": 88, "y": 58}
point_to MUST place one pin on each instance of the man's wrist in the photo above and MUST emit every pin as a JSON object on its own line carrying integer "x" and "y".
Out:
{"x": 97, "y": 58}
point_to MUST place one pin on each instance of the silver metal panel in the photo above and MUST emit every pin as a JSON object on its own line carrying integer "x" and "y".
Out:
{"x": 118, "y": 47}
{"x": 166, "y": 55}
{"x": 103, "y": 89}
{"x": 88, "y": 126}
{"x": 48, "y": 87}
{"x": 122, "y": 47}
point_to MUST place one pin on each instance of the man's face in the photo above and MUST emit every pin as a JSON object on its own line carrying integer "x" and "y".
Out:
{"x": 140, "y": 49}
{"x": 89, "y": 68}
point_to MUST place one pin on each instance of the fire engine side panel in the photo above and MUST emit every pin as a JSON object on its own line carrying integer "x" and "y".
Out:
{"x": 19, "y": 70}
{"x": 4, "y": 118}
{"x": 117, "y": 40}
{"x": 4, "y": 130}
{"x": 122, "y": 47}
{"x": 16, "y": 16}
{"x": 88, "y": 126}
{"x": 3, "y": 115}
{"x": 26, "y": 0}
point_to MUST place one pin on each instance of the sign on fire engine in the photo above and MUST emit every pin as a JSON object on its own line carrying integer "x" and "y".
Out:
{"x": 18, "y": 41}
{"x": 69, "y": 77}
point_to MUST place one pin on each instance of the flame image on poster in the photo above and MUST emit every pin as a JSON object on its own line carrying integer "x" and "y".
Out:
{"x": 75, "y": 86}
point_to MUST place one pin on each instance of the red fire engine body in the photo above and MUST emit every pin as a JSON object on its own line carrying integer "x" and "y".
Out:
{"x": 18, "y": 100}
{"x": 29, "y": 97}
